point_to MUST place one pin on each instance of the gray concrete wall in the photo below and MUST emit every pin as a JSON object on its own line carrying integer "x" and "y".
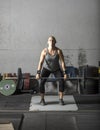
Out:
{"x": 25, "y": 26}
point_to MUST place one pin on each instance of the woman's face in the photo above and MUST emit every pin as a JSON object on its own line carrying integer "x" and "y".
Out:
{"x": 51, "y": 41}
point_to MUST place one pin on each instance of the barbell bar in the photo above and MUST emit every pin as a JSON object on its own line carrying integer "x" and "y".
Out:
{"x": 8, "y": 86}
{"x": 50, "y": 78}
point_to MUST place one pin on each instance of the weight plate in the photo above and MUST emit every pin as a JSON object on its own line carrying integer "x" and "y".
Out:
{"x": 7, "y": 87}
{"x": 26, "y": 81}
{"x": 26, "y": 84}
{"x": 19, "y": 83}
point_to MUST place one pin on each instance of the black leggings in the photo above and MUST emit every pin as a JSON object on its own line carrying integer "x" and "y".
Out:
{"x": 46, "y": 73}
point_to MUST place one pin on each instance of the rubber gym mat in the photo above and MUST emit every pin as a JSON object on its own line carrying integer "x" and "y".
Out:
{"x": 15, "y": 102}
{"x": 61, "y": 122}
{"x": 88, "y": 102}
{"x": 11, "y": 121}
{"x": 52, "y": 104}
{"x": 49, "y": 121}
{"x": 88, "y": 121}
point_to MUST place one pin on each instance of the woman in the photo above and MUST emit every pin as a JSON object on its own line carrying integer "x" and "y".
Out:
{"x": 51, "y": 61}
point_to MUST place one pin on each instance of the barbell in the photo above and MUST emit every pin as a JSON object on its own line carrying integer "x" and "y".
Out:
{"x": 24, "y": 83}
{"x": 21, "y": 83}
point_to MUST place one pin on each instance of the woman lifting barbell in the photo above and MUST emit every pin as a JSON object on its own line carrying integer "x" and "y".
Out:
{"x": 51, "y": 61}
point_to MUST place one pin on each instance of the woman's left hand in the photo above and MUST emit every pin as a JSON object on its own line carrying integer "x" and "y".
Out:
{"x": 65, "y": 76}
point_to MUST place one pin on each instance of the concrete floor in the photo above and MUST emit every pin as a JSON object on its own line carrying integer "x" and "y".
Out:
{"x": 15, "y": 109}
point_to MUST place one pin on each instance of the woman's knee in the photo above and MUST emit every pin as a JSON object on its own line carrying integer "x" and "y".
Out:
{"x": 42, "y": 86}
{"x": 61, "y": 86}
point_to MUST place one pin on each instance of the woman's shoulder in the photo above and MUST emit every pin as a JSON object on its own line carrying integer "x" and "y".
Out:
{"x": 44, "y": 51}
{"x": 59, "y": 50}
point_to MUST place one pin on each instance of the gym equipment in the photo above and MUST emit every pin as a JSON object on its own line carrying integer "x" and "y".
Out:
{"x": 25, "y": 82}
{"x": 71, "y": 71}
{"x": 89, "y": 83}
{"x": 51, "y": 79}
{"x": 7, "y": 87}
{"x": 89, "y": 86}
{"x": 8, "y": 81}
{"x": 88, "y": 71}
{"x": 19, "y": 84}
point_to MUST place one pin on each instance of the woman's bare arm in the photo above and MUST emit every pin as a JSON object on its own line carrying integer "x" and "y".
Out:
{"x": 42, "y": 56}
{"x": 61, "y": 57}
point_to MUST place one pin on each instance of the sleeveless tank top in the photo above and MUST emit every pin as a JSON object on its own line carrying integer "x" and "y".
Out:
{"x": 51, "y": 62}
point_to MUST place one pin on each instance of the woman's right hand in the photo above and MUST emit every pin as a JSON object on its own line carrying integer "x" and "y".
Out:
{"x": 38, "y": 76}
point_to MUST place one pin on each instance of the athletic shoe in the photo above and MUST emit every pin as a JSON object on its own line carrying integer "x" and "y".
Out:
{"x": 61, "y": 102}
{"x": 42, "y": 102}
